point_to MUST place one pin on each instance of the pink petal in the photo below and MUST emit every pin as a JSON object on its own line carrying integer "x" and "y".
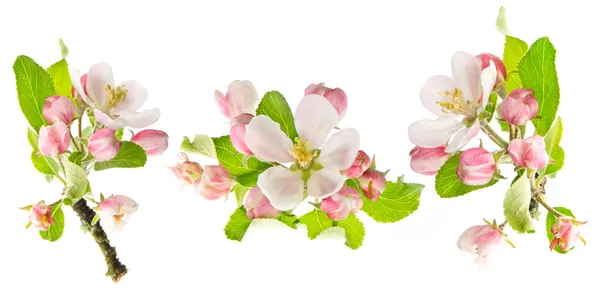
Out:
{"x": 433, "y": 93}
{"x": 99, "y": 76}
{"x": 266, "y": 140}
{"x": 466, "y": 74}
{"x": 468, "y": 239}
{"x": 139, "y": 119}
{"x": 136, "y": 97}
{"x": 488, "y": 81}
{"x": 284, "y": 188}
{"x": 315, "y": 117}
{"x": 341, "y": 149}
{"x": 325, "y": 182}
{"x": 433, "y": 133}
{"x": 462, "y": 138}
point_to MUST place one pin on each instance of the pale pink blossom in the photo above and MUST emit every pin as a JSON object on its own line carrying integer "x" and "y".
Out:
{"x": 40, "y": 216}
{"x": 104, "y": 145}
{"x": 361, "y": 163}
{"x": 427, "y": 161}
{"x": 339, "y": 205}
{"x": 54, "y": 140}
{"x": 465, "y": 95}
{"x": 530, "y": 152}
{"x": 519, "y": 107}
{"x": 476, "y": 166}
{"x": 188, "y": 172}
{"x": 241, "y": 97}
{"x": 83, "y": 83}
{"x": 154, "y": 142}
{"x": 58, "y": 109}
{"x": 372, "y": 183}
{"x": 317, "y": 172}
{"x": 336, "y": 96}
{"x": 116, "y": 210}
{"x": 484, "y": 60}
{"x": 482, "y": 240}
{"x": 566, "y": 233}
{"x": 237, "y": 133}
{"x": 115, "y": 106}
{"x": 258, "y": 206}
{"x": 215, "y": 182}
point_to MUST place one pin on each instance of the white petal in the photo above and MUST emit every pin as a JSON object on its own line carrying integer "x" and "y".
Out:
{"x": 266, "y": 140}
{"x": 433, "y": 92}
{"x": 99, "y": 76}
{"x": 462, "y": 138}
{"x": 242, "y": 97}
{"x": 433, "y": 133}
{"x": 107, "y": 121}
{"x": 488, "y": 80}
{"x": 136, "y": 97}
{"x": 315, "y": 117}
{"x": 284, "y": 188}
{"x": 468, "y": 239}
{"x": 76, "y": 81}
{"x": 325, "y": 182}
{"x": 340, "y": 149}
{"x": 139, "y": 119}
{"x": 466, "y": 74}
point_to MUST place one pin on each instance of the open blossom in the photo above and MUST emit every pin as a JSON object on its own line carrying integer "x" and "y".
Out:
{"x": 484, "y": 60}
{"x": 40, "y": 215}
{"x": 258, "y": 206}
{"x": 336, "y": 96}
{"x": 215, "y": 182}
{"x": 361, "y": 163}
{"x": 54, "y": 140}
{"x": 115, "y": 210}
{"x": 237, "y": 133}
{"x": 104, "y": 145}
{"x": 57, "y": 108}
{"x": 319, "y": 171}
{"x": 188, "y": 172}
{"x": 372, "y": 183}
{"x": 519, "y": 107}
{"x": 241, "y": 97}
{"x": 428, "y": 161}
{"x": 465, "y": 95}
{"x": 476, "y": 166}
{"x": 339, "y": 205}
{"x": 566, "y": 233}
{"x": 530, "y": 152}
{"x": 154, "y": 142}
{"x": 482, "y": 240}
{"x": 115, "y": 106}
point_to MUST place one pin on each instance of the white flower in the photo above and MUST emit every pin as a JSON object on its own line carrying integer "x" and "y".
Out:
{"x": 464, "y": 95}
{"x": 115, "y": 106}
{"x": 317, "y": 160}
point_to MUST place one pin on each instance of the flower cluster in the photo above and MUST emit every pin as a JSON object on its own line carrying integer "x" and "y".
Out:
{"x": 482, "y": 86}
{"x": 77, "y": 124}
{"x": 273, "y": 160}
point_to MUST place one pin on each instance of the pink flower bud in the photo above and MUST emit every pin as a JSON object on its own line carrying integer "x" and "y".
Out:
{"x": 372, "y": 183}
{"x": 115, "y": 210}
{"x": 566, "y": 233}
{"x": 476, "y": 166}
{"x": 519, "y": 107}
{"x": 427, "y": 161}
{"x": 154, "y": 142}
{"x": 54, "y": 140}
{"x": 104, "y": 145}
{"x": 215, "y": 182}
{"x": 339, "y": 205}
{"x": 530, "y": 153}
{"x": 238, "y": 131}
{"x": 41, "y": 216}
{"x": 336, "y": 96}
{"x": 482, "y": 240}
{"x": 240, "y": 98}
{"x": 74, "y": 92}
{"x": 359, "y": 166}
{"x": 57, "y": 108}
{"x": 484, "y": 60}
{"x": 258, "y": 205}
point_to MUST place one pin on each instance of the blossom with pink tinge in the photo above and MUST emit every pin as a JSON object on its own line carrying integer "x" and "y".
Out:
{"x": 336, "y": 96}
{"x": 361, "y": 163}
{"x": 104, "y": 145}
{"x": 484, "y": 60}
{"x": 237, "y": 133}
{"x": 341, "y": 204}
{"x": 519, "y": 107}
{"x": 476, "y": 166}
{"x": 530, "y": 152}
{"x": 116, "y": 210}
{"x": 215, "y": 182}
{"x": 482, "y": 240}
{"x": 258, "y": 206}
{"x": 241, "y": 97}
{"x": 154, "y": 142}
{"x": 566, "y": 233}
{"x": 428, "y": 161}
{"x": 58, "y": 109}
{"x": 372, "y": 183}
{"x": 41, "y": 216}
{"x": 188, "y": 172}
{"x": 54, "y": 140}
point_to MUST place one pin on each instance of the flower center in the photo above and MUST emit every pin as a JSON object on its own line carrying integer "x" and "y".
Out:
{"x": 457, "y": 104}
{"x": 45, "y": 220}
{"x": 114, "y": 96}
{"x": 118, "y": 218}
{"x": 301, "y": 152}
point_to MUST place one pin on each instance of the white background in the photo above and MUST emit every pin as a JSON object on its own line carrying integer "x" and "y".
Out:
{"x": 380, "y": 53}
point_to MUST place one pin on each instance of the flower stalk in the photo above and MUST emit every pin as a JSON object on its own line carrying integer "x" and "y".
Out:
{"x": 495, "y": 137}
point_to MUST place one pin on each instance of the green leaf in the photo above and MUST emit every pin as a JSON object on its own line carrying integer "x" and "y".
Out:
{"x": 43, "y": 164}
{"x": 555, "y": 151}
{"x": 274, "y": 105}
{"x": 77, "y": 181}
{"x": 61, "y": 78}
{"x": 558, "y": 155}
{"x": 238, "y": 225}
{"x": 240, "y": 192}
{"x": 130, "y": 155}
{"x": 34, "y": 139}
{"x": 537, "y": 70}
{"x": 202, "y": 144}
{"x": 316, "y": 222}
{"x": 551, "y": 220}
{"x": 288, "y": 219}
{"x": 491, "y": 107}
{"x": 34, "y": 85}
{"x": 55, "y": 230}
{"x": 119, "y": 133}
{"x": 501, "y": 23}
{"x": 95, "y": 219}
{"x": 516, "y": 206}
{"x": 354, "y": 231}
{"x": 76, "y": 158}
{"x": 64, "y": 51}
{"x": 234, "y": 162}
{"x": 514, "y": 49}
{"x": 87, "y": 132}
{"x": 49, "y": 178}
{"x": 447, "y": 183}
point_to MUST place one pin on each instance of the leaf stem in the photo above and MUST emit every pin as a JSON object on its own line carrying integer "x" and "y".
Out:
{"x": 538, "y": 195}
{"x": 495, "y": 137}
{"x": 79, "y": 130}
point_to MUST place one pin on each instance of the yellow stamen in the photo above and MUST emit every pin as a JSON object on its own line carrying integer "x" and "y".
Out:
{"x": 457, "y": 104}
{"x": 118, "y": 218}
{"x": 301, "y": 151}
{"x": 114, "y": 96}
